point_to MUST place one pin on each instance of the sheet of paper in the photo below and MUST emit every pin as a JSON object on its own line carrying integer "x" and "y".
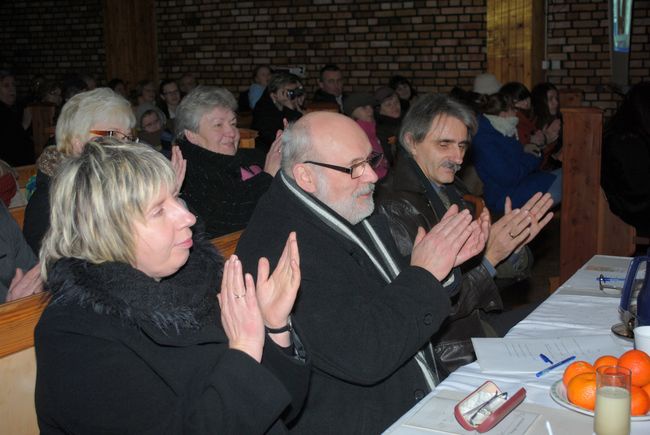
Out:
{"x": 521, "y": 355}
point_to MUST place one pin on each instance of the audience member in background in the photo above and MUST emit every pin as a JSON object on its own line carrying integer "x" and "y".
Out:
{"x": 526, "y": 131}
{"x": 625, "y": 175}
{"x": 506, "y": 168}
{"x": 281, "y": 100}
{"x": 101, "y": 112}
{"x": 389, "y": 120}
{"x": 16, "y": 147}
{"x": 404, "y": 90}
{"x": 119, "y": 87}
{"x": 366, "y": 313}
{"x": 546, "y": 109}
{"x": 146, "y": 92}
{"x": 223, "y": 183}
{"x": 8, "y": 183}
{"x": 170, "y": 97}
{"x": 187, "y": 83}
{"x": 49, "y": 93}
{"x": 136, "y": 338}
{"x": 261, "y": 78}
{"x": 152, "y": 132}
{"x": 360, "y": 107}
{"x": 486, "y": 84}
{"x": 73, "y": 84}
{"x": 90, "y": 81}
{"x": 419, "y": 190}
{"x": 20, "y": 275}
{"x": 330, "y": 83}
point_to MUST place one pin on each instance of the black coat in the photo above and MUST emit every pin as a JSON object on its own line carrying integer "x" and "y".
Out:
{"x": 16, "y": 146}
{"x": 118, "y": 352}
{"x": 360, "y": 332}
{"x": 625, "y": 176}
{"x": 37, "y": 212}
{"x": 214, "y": 188}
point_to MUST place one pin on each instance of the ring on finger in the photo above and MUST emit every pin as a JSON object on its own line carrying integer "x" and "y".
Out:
{"x": 511, "y": 235}
{"x": 240, "y": 296}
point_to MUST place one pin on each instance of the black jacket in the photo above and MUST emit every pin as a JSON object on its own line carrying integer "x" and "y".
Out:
{"x": 214, "y": 188}
{"x": 360, "y": 332}
{"x": 625, "y": 177}
{"x": 119, "y": 353}
{"x": 408, "y": 203}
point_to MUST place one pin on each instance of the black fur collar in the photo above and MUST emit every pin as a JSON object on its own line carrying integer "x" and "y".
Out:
{"x": 185, "y": 300}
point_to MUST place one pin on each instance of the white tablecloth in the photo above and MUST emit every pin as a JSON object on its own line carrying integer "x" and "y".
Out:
{"x": 577, "y": 308}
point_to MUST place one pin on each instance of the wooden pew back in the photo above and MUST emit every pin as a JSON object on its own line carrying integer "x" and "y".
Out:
{"x": 587, "y": 226}
{"x": 18, "y": 363}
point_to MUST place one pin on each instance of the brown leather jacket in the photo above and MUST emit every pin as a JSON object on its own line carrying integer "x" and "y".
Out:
{"x": 403, "y": 197}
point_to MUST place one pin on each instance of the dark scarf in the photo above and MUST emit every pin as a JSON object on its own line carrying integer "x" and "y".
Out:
{"x": 185, "y": 300}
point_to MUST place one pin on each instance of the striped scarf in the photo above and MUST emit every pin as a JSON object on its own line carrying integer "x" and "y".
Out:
{"x": 379, "y": 256}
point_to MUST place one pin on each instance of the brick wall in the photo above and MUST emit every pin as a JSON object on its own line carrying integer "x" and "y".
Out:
{"x": 578, "y": 36}
{"x": 51, "y": 38}
{"x": 439, "y": 44}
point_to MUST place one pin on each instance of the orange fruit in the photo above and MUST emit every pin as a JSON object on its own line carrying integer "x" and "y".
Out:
{"x": 639, "y": 364}
{"x": 576, "y": 368}
{"x": 581, "y": 390}
{"x": 646, "y": 388}
{"x": 640, "y": 402}
{"x": 606, "y": 360}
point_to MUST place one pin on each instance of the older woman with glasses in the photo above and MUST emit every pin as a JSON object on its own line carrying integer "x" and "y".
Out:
{"x": 136, "y": 338}
{"x": 100, "y": 112}
{"x": 223, "y": 182}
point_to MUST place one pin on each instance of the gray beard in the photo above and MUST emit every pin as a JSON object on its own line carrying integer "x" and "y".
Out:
{"x": 347, "y": 207}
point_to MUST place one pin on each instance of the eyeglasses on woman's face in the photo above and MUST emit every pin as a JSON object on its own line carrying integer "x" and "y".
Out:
{"x": 115, "y": 134}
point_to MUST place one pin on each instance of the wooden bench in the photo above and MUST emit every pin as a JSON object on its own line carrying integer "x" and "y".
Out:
{"x": 247, "y": 138}
{"x": 42, "y": 124}
{"x": 17, "y": 359}
{"x": 18, "y": 213}
{"x": 24, "y": 173}
{"x": 18, "y": 364}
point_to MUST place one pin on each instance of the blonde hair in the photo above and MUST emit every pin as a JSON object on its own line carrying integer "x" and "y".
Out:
{"x": 95, "y": 198}
{"x": 86, "y": 109}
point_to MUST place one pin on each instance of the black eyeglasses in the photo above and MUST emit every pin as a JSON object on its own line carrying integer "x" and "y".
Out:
{"x": 357, "y": 169}
{"x": 116, "y": 134}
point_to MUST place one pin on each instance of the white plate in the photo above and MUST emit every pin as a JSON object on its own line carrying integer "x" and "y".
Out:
{"x": 558, "y": 393}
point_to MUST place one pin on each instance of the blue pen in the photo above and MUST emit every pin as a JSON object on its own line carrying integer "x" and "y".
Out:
{"x": 545, "y": 358}
{"x": 554, "y": 366}
{"x": 602, "y": 278}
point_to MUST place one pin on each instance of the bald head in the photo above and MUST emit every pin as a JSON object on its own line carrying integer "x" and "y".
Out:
{"x": 316, "y": 135}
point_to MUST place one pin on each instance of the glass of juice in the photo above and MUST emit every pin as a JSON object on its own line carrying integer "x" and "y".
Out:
{"x": 612, "y": 413}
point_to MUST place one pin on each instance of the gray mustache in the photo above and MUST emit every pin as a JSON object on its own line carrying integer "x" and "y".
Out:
{"x": 451, "y": 165}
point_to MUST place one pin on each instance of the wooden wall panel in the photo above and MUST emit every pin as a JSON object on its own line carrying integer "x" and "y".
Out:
{"x": 130, "y": 38}
{"x": 587, "y": 226}
{"x": 515, "y": 40}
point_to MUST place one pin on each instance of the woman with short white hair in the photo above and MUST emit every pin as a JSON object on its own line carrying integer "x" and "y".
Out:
{"x": 100, "y": 112}
{"x": 136, "y": 338}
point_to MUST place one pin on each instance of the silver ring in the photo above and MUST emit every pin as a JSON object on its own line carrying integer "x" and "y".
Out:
{"x": 239, "y": 296}
{"x": 511, "y": 236}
